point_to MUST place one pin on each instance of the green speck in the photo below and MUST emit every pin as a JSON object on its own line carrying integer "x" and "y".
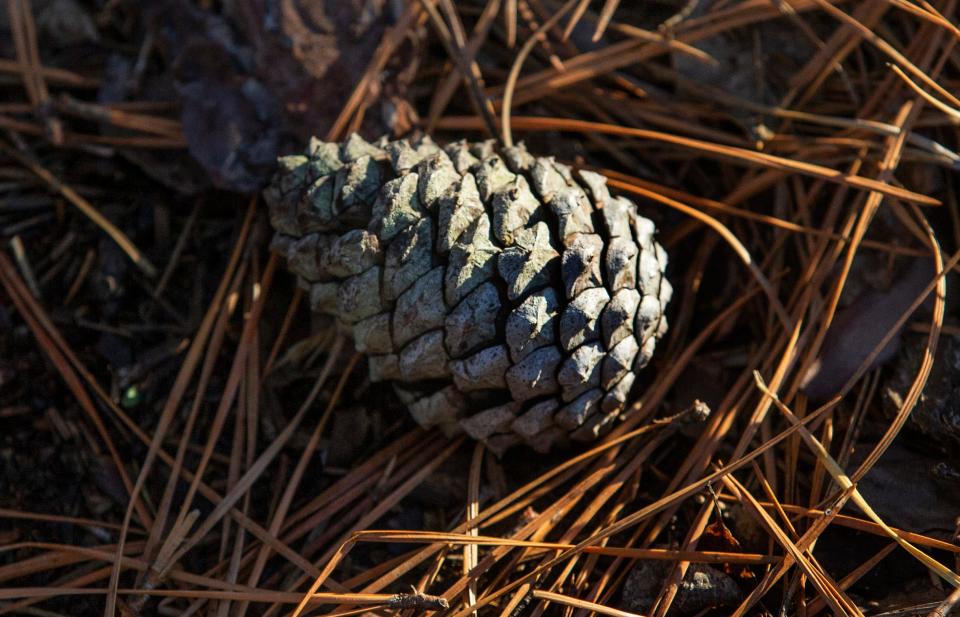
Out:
{"x": 131, "y": 397}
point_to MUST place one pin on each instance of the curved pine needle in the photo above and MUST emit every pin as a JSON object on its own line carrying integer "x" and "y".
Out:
{"x": 518, "y": 65}
{"x": 952, "y": 113}
{"x": 741, "y": 155}
{"x": 926, "y": 365}
{"x": 729, "y": 237}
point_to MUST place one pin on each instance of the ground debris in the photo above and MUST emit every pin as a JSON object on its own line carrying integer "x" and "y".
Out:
{"x": 702, "y": 588}
{"x": 772, "y": 144}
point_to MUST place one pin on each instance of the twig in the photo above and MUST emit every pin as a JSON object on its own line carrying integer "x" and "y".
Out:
{"x": 945, "y": 607}
{"x": 417, "y": 600}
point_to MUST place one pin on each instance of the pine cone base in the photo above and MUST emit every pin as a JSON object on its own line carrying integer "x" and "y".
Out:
{"x": 502, "y": 295}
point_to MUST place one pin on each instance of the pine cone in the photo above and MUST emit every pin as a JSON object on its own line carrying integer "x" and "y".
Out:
{"x": 503, "y": 295}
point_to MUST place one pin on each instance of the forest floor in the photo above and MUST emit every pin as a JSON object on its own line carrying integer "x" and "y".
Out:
{"x": 179, "y": 435}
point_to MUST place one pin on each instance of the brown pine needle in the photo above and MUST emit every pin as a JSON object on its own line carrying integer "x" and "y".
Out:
{"x": 748, "y": 157}
{"x": 581, "y": 604}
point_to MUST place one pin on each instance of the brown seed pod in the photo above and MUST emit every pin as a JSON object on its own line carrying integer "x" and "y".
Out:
{"x": 504, "y": 296}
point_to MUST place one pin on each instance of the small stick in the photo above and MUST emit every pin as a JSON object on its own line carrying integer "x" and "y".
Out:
{"x": 419, "y": 600}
